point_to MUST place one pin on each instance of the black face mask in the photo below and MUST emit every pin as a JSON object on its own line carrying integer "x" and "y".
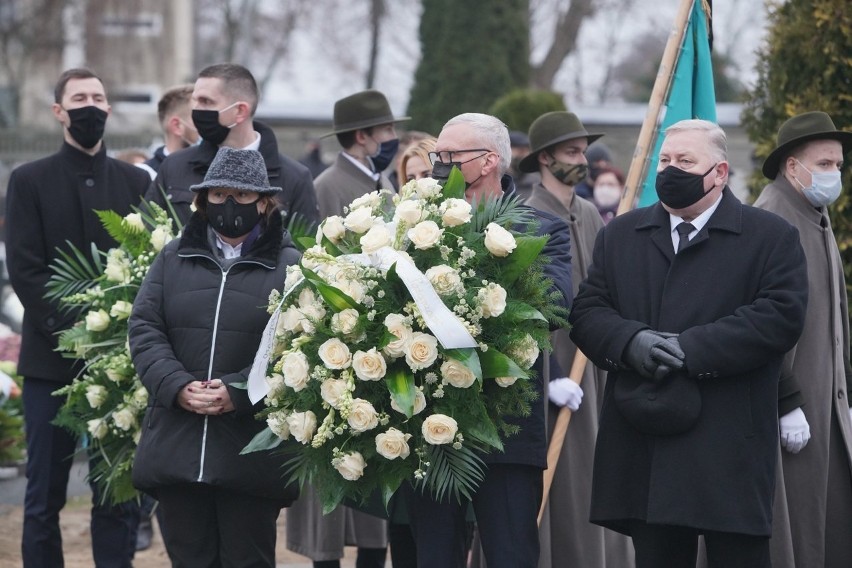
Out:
{"x": 679, "y": 189}
{"x": 207, "y": 124}
{"x": 233, "y": 219}
{"x": 441, "y": 173}
{"x": 87, "y": 125}
{"x": 385, "y": 155}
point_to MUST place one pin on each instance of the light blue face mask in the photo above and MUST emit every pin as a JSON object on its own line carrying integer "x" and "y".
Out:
{"x": 824, "y": 189}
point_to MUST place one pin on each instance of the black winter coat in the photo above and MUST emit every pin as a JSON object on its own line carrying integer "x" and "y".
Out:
{"x": 197, "y": 317}
{"x": 187, "y": 167}
{"x": 51, "y": 202}
{"x": 737, "y": 296}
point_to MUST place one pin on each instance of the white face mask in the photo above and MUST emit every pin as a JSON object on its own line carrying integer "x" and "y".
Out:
{"x": 824, "y": 189}
{"x": 607, "y": 195}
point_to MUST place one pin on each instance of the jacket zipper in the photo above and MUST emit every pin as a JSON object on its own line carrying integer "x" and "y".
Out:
{"x": 213, "y": 341}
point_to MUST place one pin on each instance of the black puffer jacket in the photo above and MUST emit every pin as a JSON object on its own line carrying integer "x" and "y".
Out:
{"x": 197, "y": 317}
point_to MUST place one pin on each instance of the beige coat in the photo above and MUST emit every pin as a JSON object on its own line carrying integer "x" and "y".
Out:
{"x": 806, "y": 493}
{"x": 309, "y": 532}
{"x": 567, "y": 536}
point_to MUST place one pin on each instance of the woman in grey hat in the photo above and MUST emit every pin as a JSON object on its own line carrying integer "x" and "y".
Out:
{"x": 196, "y": 324}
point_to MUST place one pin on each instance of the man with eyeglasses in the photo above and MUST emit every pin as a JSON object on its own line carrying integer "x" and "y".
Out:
{"x": 224, "y": 101}
{"x": 507, "y": 501}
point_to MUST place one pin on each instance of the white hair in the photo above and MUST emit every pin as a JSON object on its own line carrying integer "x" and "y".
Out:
{"x": 490, "y": 132}
{"x": 715, "y": 135}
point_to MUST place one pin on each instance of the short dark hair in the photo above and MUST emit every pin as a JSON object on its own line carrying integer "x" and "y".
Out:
{"x": 76, "y": 73}
{"x": 347, "y": 139}
{"x": 173, "y": 99}
{"x": 238, "y": 82}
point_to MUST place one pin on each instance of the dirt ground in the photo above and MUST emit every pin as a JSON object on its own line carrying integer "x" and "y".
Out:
{"x": 77, "y": 542}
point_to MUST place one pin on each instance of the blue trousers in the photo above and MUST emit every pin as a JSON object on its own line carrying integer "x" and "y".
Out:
{"x": 49, "y": 458}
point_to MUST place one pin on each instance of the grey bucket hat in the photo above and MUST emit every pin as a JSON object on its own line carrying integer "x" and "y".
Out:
{"x": 237, "y": 169}
{"x": 362, "y": 110}
{"x": 800, "y": 129}
{"x": 552, "y": 128}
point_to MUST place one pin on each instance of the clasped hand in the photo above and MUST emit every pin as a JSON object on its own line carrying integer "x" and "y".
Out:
{"x": 653, "y": 354}
{"x": 205, "y": 397}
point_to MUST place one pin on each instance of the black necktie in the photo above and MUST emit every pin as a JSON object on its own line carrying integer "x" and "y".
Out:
{"x": 683, "y": 231}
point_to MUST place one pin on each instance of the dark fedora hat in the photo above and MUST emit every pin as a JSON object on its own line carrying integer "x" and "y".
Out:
{"x": 362, "y": 110}
{"x": 237, "y": 169}
{"x": 799, "y": 129}
{"x": 552, "y": 128}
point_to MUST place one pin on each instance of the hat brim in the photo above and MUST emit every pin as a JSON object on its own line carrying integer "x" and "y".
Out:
{"x": 365, "y": 124}
{"x": 226, "y": 184}
{"x": 530, "y": 163}
{"x": 772, "y": 164}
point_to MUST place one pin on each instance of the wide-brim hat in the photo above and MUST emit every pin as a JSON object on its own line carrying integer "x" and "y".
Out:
{"x": 799, "y": 129}
{"x": 237, "y": 169}
{"x": 362, "y": 110}
{"x": 552, "y": 128}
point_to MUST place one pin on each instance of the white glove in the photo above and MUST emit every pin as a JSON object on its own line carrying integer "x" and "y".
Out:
{"x": 795, "y": 431}
{"x": 565, "y": 392}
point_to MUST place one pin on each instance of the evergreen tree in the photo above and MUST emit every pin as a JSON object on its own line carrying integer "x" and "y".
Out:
{"x": 473, "y": 52}
{"x": 519, "y": 108}
{"x": 805, "y": 65}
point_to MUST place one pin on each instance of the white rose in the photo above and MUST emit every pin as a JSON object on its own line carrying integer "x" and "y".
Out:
{"x": 492, "y": 300}
{"x": 505, "y": 381}
{"x": 134, "y": 221}
{"x": 114, "y": 376}
{"x": 345, "y": 321}
{"x": 302, "y": 426}
{"x": 295, "y": 369}
{"x": 393, "y": 444}
{"x": 498, "y": 240}
{"x": 369, "y": 365}
{"x": 524, "y": 352}
{"x": 377, "y": 237}
{"x": 425, "y": 235}
{"x": 457, "y": 374}
{"x": 421, "y": 350}
{"x": 369, "y": 200}
{"x": 445, "y": 279}
{"x": 359, "y": 221}
{"x": 140, "y": 398}
{"x": 362, "y": 416}
{"x": 124, "y": 418}
{"x": 335, "y": 354}
{"x": 276, "y": 384}
{"x": 409, "y": 211}
{"x": 428, "y": 187}
{"x": 96, "y": 395}
{"x": 350, "y": 466}
{"x": 160, "y": 237}
{"x": 439, "y": 429}
{"x": 97, "y": 321}
{"x": 333, "y": 228}
{"x": 419, "y": 403}
{"x": 455, "y": 212}
{"x": 290, "y": 320}
{"x": 333, "y": 391}
{"x": 353, "y": 289}
{"x": 396, "y": 325}
{"x": 294, "y": 276}
{"x": 117, "y": 266}
{"x": 121, "y": 310}
{"x": 97, "y": 428}
{"x": 277, "y": 422}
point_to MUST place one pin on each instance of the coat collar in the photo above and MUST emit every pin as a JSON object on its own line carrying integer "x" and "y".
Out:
{"x": 542, "y": 195}
{"x": 81, "y": 161}
{"x": 783, "y": 190}
{"x": 728, "y": 217}
{"x": 205, "y": 152}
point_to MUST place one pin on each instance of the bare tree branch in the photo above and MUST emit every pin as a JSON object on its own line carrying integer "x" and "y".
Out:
{"x": 564, "y": 41}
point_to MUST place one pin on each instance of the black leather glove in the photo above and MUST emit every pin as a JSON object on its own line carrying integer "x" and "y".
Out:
{"x": 654, "y": 355}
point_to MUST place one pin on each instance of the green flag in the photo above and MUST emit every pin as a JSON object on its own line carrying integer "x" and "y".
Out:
{"x": 691, "y": 95}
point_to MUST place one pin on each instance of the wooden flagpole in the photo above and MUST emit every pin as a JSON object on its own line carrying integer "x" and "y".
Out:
{"x": 635, "y": 175}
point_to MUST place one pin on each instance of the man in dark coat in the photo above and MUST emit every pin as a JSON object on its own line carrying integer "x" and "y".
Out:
{"x": 52, "y": 202}
{"x": 174, "y": 111}
{"x": 693, "y": 301}
{"x": 507, "y": 501}
{"x": 224, "y": 101}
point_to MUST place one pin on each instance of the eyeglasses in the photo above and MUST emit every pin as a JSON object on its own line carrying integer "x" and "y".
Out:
{"x": 217, "y": 196}
{"x": 446, "y": 156}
